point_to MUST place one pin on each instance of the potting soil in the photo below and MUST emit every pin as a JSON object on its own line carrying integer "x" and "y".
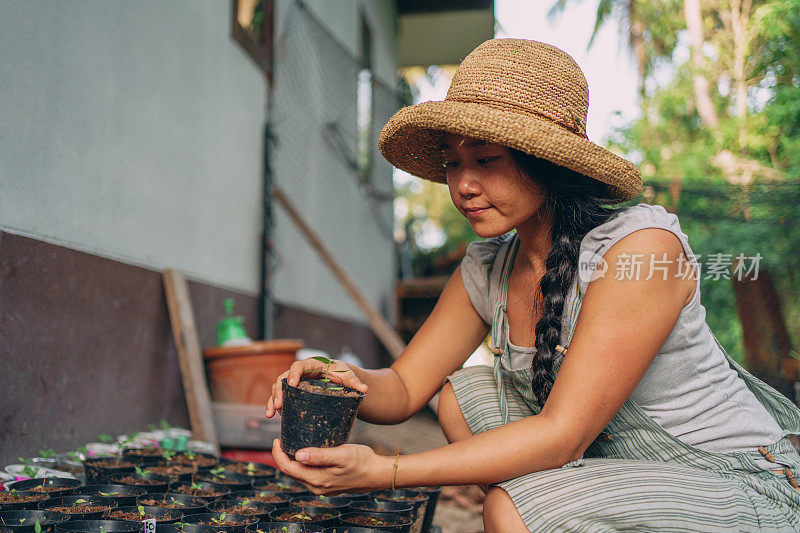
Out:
{"x": 306, "y": 386}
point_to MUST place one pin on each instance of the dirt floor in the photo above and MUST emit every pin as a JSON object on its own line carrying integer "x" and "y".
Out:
{"x": 459, "y": 508}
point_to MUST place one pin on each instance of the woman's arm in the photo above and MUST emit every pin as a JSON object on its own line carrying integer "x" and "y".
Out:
{"x": 448, "y": 337}
{"x": 620, "y": 329}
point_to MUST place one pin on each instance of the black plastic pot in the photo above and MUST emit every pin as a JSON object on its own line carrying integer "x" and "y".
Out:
{"x": 52, "y": 486}
{"x": 202, "y": 462}
{"x": 18, "y": 504}
{"x": 100, "y": 470}
{"x": 227, "y": 480}
{"x": 322, "y": 502}
{"x": 315, "y": 419}
{"x": 257, "y": 472}
{"x": 25, "y": 521}
{"x": 259, "y": 510}
{"x": 412, "y": 497}
{"x": 383, "y": 506}
{"x": 71, "y": 501}
{"x": 282, "y": 485}
{"x": 172, "y": 471}
{"x": 143, "y": 456}
{"x": 223, "y": 493}
{"x": 275, "y": 498}
{"x": 180, "y": 502}
{"x": 223, "y": 523}
{"x": 149, "y": 482}
{"x": 122, "y": 494}
{"x": 316, "y": 515}
{"x": 277, "y": 527}
{"x": 162, "y": 516}
{"x": 98, "y": 526}
{"x": 430, "y": 507}
{"x": 399, "y": 524}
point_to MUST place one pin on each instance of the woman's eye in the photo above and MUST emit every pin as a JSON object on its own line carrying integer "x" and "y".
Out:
{"x": 450, "y": 164}
{"x": 483, "y": 161}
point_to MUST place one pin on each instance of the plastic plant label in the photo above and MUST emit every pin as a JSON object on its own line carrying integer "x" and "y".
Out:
{"x": 149, "y": 525}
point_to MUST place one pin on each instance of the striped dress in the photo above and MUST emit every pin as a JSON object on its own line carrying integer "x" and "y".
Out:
{"x": 635, "y": 476}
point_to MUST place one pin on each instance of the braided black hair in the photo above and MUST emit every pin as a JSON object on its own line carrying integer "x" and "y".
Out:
{"x": 576, "y": 205}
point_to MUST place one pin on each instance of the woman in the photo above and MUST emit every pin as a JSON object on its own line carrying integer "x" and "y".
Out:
{"x": 647, "y": 423}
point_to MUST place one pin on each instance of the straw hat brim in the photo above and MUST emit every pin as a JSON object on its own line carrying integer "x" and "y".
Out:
{"x": 411, "y": 141}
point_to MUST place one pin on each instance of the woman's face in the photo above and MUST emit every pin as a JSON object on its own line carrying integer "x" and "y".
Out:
{"x": 487, "y": 187}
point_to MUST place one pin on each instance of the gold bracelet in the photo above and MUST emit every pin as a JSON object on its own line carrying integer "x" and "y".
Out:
{"x": 394, "y": 469}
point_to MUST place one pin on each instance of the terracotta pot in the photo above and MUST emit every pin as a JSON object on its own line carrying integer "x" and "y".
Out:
{"x": 245, "y": 374}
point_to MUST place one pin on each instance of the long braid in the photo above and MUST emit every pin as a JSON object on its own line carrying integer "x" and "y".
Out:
{"x": 576, "y": 205}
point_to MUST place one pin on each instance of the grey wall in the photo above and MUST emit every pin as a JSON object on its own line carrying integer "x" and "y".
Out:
{"x": 133, "y": 130}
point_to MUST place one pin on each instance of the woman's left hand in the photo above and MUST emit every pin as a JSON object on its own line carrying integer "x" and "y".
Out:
{"x": 346, "y": 468}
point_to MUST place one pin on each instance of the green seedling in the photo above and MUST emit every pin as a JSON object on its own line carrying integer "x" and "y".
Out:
{"x": 21, "y": 520}
{"x": 283, "y": 485}
{"x": 108, "y": 494}
{"x": 217, "y": 472}
{"x": 168, "y": 455}
{"x": 140, "y": 472}
{"x": 301, "y": 516}
{"x": 14, "y": 492}
{"x": 78, "y": 502}
{"x": 37, "y": 527}
{"x": 140, "y": 509}
{"x": 190, "y": 455}
{"x": 220, "y": 519}
{"x": 196, "y": 486}
{"x": 176, "y": 502}
{"x": 104, "y": 437}
{"x": 327, "y": 371}
{"x": 30, "y": 471}
{"x": 244, "y": 503}
{"x": 47, "y": 453}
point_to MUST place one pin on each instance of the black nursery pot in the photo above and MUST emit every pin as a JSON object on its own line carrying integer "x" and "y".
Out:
{"x": 149, "y": 482}
{"x": 282, "y": 485}
{"x": 317, "y": 515}
{"x": 72, "y": 501}
{"x": 395, "y": 522}
{"x": 25, "y": 521}
{"x": 313, "y": 419}
{"x": 180, "y": 502}
{"x": 162, "y": 516}
{"x": 52, "y": 486}
{"x": 23, "y": 500}
{"x": 283, "y": 527}
{"x": 100, "y": 470}
{"x": 257, "y": 472}
{"x": 383, "y": 506}
{"x": 322, "y": 502}
{"x": 223, "y": 521}
{"x": 226, "y": 481}
{"x": 122, "y": 494}
{"x": 277, "y": 499}
{"x": 430, "y": 507}
{"x": 177, "y": 487}
{"x": 255, "y": 509}
{"x": 412, "y": 497}
{"x": 98, "y": 526}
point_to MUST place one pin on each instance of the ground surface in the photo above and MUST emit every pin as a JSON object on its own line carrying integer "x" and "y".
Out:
{"x": 459, "y": 508}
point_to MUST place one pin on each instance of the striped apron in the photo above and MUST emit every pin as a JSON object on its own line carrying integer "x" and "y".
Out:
{"x": 635, "y": 476}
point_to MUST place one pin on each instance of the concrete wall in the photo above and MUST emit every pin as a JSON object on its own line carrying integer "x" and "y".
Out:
{"x": 133, "y": 130}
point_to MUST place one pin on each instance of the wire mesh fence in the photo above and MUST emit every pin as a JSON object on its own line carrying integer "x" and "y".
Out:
{"x": 327, "y": 110}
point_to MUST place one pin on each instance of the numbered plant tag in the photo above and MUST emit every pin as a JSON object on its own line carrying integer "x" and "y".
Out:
{"x": 149, "y": 525}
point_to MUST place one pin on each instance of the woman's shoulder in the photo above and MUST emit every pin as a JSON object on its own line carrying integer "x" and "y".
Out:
{"x": 476, "y": 271}
{"x": 485, "y": 252}
{"x": 627, "y": 220}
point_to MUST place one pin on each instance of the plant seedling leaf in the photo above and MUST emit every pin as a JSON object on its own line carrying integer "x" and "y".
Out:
{"x": 104, "y": 437}
{"x": 140, "y": 509}
{"x": 322, "y": 359}
{"x": 79, "y": 501}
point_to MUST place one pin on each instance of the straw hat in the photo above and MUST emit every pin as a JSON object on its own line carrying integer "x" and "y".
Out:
{"x": 522, "y": 94}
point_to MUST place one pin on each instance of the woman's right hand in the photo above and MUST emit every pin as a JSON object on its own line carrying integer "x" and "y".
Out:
{"x": 338, "y": 372}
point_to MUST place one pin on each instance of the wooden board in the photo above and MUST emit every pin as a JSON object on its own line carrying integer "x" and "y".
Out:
{"x": 193, "y": 371}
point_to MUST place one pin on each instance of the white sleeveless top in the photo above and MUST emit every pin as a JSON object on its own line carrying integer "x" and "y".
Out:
{"x": 689, "y": 388}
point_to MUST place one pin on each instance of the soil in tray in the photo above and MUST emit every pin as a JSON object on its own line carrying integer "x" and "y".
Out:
{"x": 199, "y": 461}
{"x": 209, "y": 493}
{"x": 163, "y": 503}
{"x": 136, "y": 480}
{"x": 294, "y": 516}
{"x": 8, "y": 497}
{"x": 372, "y": 521}
{"x": 279, "y": 487}
{"x": 72, "y": 509}
{"x": 43, "y": 488}
{"x": 112, "y": 463}
{"x": 171, "y": 470}
{"x": 135, "y": 517}
{"x": 241, "y": 468}
{"x": 145, "y": 452}
{"x": 263, "y": 498}
{"x": 313, "y": 503}
{"x": 306, "y": 386}
{"x": 235, "y": 509}
{"x": 225, "y": 523}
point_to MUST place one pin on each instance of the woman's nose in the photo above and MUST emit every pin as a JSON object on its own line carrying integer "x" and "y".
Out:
{"x": 468, "y": 186}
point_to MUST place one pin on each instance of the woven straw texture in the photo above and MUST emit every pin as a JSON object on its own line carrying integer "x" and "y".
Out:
{"x": 522, "y": 94}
